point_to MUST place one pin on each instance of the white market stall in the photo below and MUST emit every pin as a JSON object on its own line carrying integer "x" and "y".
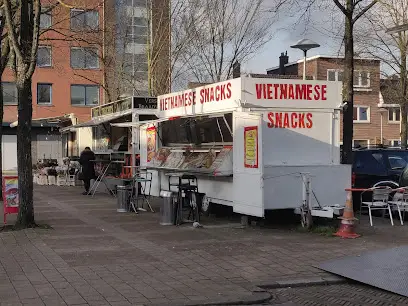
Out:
{"x": 254, "y": 144}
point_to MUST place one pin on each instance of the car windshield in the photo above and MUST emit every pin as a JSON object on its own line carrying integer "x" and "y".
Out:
{"x": 398, "y": 159}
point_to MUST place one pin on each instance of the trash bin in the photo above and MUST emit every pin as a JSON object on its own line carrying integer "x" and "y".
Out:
{"x": 123, "y": 194}
{"x": 167, "y": 216}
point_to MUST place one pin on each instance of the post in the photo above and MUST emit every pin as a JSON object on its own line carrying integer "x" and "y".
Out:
{"x": 381, "y": 127}
{"x": 304, "y": 64}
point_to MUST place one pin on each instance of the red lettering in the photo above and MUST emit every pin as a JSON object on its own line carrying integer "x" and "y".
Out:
{"x": 324, "y": 92}
{"x": 211, "y": 94}
{"x": 278, "y": 120}
{"x": 309, "y": 91}
{"x": 291, "y": 92}
{"x": 283, "y": 91}
{"x": 217, "y": 93}
{"x": 276, "y": 89}
{"x": 309, "y": 123}
{"x": 300, "y": 91}
{"x": 269, "y": 91}
{"x": 222, "y": 92}
{"x": 202, "y": 95}
{"x": 301, "y": 121}
{"x": 258, "y": 88}
{"x": 229, "y": 92}
{"x": 294, "y": 122}
{"x": 194, "y": 98}
{"x": 171, "y": 102}
{"x": 270, "y": 118}
{"x": 286, "y": 121}
{"x": 317, "y": 92}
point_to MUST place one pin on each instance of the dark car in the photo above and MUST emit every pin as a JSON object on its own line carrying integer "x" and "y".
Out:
{"x": 372, "y": 166}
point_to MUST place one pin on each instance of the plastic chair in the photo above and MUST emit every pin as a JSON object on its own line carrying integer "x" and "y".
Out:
{"x": 401, "y": 201}
{"x": 379, "y": 201}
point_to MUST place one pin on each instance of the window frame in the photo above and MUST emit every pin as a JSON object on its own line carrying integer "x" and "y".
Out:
{"x": 44, "y": 104}
{"x": 85, "y": 52}
{"x": 45, "y": 47}
{"x": 358, "y": 120}
{"x": 336, "y": 72}
{"x": 394, "y": 121}
{"x": 359, "y": 85}
{"x": 85, "y": 86}
{"x": 357, "y": 139}
{"x": 395, "y": 140}
{"x": 84, "y": 27}
{"x": 16, "y": 94}
{"x": 46, "y": 11}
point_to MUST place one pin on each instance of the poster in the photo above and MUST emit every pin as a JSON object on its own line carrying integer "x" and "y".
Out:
{"x": 251, "y": 147}
{"x": 10, "y": 191}
{"x": 151, "y": 143}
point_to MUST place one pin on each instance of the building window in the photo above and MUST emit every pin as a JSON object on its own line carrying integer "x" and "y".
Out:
{"x": 84, "y": 58}
{"x": 360, "y": 143}
{"x": 361, "y": 78}
{"x": 335, "y": 75}
{"x": 44, "y": 57}
{"x": 10, "y": 96}
{"x": 395, "y": 142}
{"x": 45, "y": 18}
{"x": 82, "y": 20}
{"x": 361, "y": 114}
{"x": 394, "y": 115}
{"x": 84, "y": 95}
{"x": 44, "y": 94}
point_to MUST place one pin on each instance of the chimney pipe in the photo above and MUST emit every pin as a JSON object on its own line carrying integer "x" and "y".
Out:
{"x": 283, "y": 60}
{"x": 236, "y": 70}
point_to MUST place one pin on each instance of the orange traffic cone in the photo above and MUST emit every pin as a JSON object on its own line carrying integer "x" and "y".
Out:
{"x": 346, "y": 229}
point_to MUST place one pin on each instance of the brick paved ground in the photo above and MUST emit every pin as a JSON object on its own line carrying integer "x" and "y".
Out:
{"x": 96, "y": 256}
{"x": 347, "y": 295}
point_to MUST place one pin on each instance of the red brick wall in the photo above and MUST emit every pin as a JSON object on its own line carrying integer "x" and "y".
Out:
{"x": 61, "y": 75}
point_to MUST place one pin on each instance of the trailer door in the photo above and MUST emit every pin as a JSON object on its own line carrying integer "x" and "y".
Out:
{"x": 248, "y": 169}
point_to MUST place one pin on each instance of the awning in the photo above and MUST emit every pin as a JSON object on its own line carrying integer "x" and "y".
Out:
{"x": 137, "y": 124}
{"x": 96, "y": 121}
{"x": 47, "y": 121}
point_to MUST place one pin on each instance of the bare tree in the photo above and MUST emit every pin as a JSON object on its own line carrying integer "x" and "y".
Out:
{"x": 372, "y": 39}
{"x": 220, "y": 32}
{"x": 23, "y": 34}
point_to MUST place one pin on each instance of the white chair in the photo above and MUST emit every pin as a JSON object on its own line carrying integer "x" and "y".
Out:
{"x": 379, "y": 201}
{"x": 400, "y": 200}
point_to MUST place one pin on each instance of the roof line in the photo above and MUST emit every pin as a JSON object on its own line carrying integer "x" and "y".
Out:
{"x": 322, "y": 56}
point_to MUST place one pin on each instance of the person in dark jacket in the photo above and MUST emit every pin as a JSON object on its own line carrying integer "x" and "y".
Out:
{"x": 88, "y": 168}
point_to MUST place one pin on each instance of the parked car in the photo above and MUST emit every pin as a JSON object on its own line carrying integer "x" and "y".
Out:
{"x": 377, "y": 166}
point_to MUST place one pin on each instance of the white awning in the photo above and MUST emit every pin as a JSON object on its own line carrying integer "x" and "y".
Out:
{"x": 137, "y": 124}
{"x": 47, "y": 120}
{"x": 97, "y": 121}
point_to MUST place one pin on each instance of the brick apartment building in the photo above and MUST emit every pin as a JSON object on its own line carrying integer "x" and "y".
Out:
{"x": 376, "y": 115}
{"x": 88, "y": 55}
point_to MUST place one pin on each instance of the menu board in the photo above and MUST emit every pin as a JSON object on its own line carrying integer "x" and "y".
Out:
{"x": 251, "y": 147}
{"x": 10, "y": 191}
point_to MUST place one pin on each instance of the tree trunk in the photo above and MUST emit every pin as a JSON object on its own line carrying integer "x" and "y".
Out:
{"x": 404, "y": 100}
{"x": 24, "y": 162}
{"x": 348, "y": 91}
{"x": 1, "y": 138}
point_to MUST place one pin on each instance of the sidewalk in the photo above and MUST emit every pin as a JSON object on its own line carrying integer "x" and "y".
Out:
{"x": 96, "y": 256}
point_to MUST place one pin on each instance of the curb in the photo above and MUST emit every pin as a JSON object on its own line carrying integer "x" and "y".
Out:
{"x": 257, "y": 297}
{"x": 304, "y": 282}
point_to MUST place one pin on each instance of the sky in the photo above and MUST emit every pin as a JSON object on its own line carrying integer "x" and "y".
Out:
{"x": 321, "y": 27}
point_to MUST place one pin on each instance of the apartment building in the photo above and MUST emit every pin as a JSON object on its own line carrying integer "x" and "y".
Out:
{"x": 376, "y": 119}
{"x": 94, "y": 53}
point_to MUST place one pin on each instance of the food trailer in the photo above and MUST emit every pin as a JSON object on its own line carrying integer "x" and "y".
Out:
{"x": 254, "y": 144}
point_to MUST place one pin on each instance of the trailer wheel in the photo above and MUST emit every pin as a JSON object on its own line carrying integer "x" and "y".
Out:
{"x": 206, "y": 205}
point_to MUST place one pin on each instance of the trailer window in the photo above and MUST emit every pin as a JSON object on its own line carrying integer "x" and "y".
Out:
{"x": 197, "y": 130}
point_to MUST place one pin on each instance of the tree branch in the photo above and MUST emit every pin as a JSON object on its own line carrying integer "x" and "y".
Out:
{"x": 36, "y": 35}
{"x": 363, "y": 11}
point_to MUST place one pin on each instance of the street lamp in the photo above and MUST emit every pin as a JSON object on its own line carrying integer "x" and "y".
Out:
{"x": 305, "y": 45}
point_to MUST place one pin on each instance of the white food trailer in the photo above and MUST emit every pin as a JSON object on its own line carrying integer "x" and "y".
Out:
{"x": 254, "y": 144}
